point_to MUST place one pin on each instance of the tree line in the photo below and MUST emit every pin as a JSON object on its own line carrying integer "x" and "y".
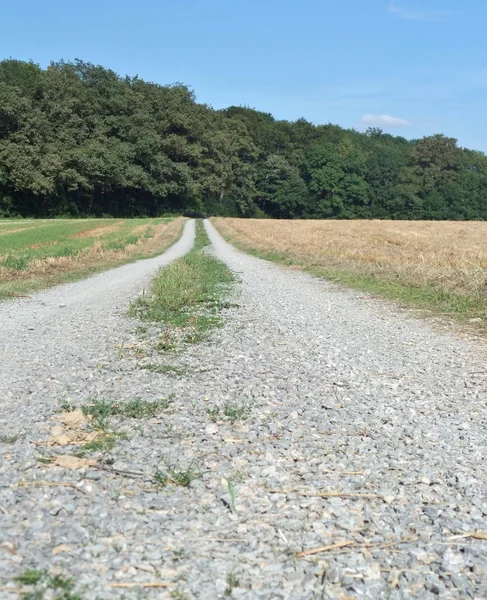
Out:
{"x": 77, "y": 139}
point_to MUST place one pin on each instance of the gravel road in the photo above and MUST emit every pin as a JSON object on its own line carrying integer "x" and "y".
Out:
{"x": 357, "y": 472}
{"x": 47, "y": 341}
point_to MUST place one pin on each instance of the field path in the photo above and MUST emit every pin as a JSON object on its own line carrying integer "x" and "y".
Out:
{"x": 63, "y": 331}
{"x": 358, "y": 472}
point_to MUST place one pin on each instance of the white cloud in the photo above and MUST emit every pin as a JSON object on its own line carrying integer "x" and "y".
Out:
{"x": 427, "y": 16}
{"x": 384, "y": 121}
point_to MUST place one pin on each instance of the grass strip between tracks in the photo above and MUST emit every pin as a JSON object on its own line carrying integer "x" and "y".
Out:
{"x": 187, "y": 296}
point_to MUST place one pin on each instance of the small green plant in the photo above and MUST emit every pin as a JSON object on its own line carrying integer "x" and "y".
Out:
{"x": 43, "y": 585}
{"x": 232, "y": 411}
{"x": 121, "y": 351}
{"x": 168, "y": 369}
{"x": 105, "y": 442}
{"x": 101, "y": 410}
{"x": 268, "y": 418}
{"x": 214, "y": 413}
{"x": 236, "y": 410}
{"x": 139, "y": 409}
{"x": 195, "y": 337}
{"x": 166, "y": 344}
{"x": 30, "y": 577}
{"x": 9, "y": 439}
{"x": 178, "y": 594}
{"x": 172, "y": 474}
{"x": 179, "y": 554}
{"x": 161, "y": 478}
{"x": 66, "y": 406}
{"x": 231, "y": 493}
{"x": 232, "y": 582}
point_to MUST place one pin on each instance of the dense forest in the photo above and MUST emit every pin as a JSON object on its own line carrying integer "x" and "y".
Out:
{"x": 77, "y": 139}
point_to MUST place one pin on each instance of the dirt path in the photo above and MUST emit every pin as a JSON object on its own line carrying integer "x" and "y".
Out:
{"x": 336, "y": 449}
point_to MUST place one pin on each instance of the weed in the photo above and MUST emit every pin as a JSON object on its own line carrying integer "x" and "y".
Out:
{"x": 178, "y": 594}
{"x": 231, "y": 493}
{"x": 236, "y": 411}
{"x": 101, "y": 410}
{"x": 117, "y": 494}
{"x": 233, "y": 411}
{"x": 195, "y": 337}
{"x": 239, "y": 475}
{"x": 30, "y": 577}
{"x": 232, "y": 582}
{"x": 138, "y": 408}
{"x": 168, "y": 369}
{"x": 268, "y": 418}
{"x": 166, "y": 344}
{"x": 9, "y": 439}
{"x": 103, "y": 443}
{"x": 172, "y": 474}
{"x": 45, "y": 585}
{"x": 214, "y": 413}
{"x": 66, "y": 406}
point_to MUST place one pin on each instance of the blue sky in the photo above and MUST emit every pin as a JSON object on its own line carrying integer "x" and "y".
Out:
{"x": 411, "y": 67}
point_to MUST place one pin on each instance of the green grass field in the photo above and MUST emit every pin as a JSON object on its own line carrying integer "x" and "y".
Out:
{"x": 38, "y": 253}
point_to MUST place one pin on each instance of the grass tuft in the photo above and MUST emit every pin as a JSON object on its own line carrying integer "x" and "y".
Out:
{"x": 232, "y": 411}
{"x": 43, "y": 585}
{"x": 186, "y": 296}
{"x": 9, "y": 439}
{"x": 232, "y": 582}
{"x": 101, "y": 412}
{"x": 167, "y": 369}
{"x": 172, "y": 474}
{"x": 101, "y": 409}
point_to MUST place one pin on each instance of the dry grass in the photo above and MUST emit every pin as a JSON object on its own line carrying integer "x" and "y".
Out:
{"x": 96, "y": 255}
{"x": 96, "y": 232}
{"x": 5, "y": 231}
{"x": 441, "y": 265}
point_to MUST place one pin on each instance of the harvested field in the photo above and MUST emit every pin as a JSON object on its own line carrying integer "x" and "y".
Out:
{"x": 42, "y": 253}
{"x": 438, "y": 265}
